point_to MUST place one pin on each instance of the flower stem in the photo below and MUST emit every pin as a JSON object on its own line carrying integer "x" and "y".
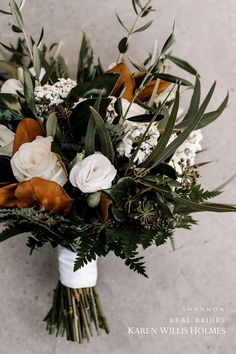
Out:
{"x": 75, "y": 312}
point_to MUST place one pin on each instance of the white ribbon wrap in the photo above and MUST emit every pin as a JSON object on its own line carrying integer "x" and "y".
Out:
{"x": 85, "y": 277}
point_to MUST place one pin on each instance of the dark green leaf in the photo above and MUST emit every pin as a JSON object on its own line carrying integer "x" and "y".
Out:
{"x": 212, "y": 116}
{"x": 165, "y": 136}
{"x": 89, "y": 140}
{"x": 123, "y": 45}
{"x": 170, "y": 40}
{"x": 105, "y": 82}
{"x": 10, "y": 232}
{"x": 85, "y": 64}
{"x": 12, "y": 50}
{"x": 16, "y": 29}
{"x": 188, "y": 207}
{"x": 172, "y": 78}
{"x": 10, "y": 101}
{"x": 194, "y": 106}
{"x": 171, "y": 148}
{"x": 144, "y": 118}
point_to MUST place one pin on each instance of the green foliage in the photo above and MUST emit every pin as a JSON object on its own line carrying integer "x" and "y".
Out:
{"x": 198, "y": 194}
{"x": 86, "y": 68}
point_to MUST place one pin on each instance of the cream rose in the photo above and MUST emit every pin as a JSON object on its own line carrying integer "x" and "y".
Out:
{"x": 93, "y": 173}
{"x": 6, "y": 141}
{"x": 36, "y": 159}
{"x": 12, "y": 86}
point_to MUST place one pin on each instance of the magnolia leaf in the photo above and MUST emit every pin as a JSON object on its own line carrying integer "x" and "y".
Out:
{"x": 17, "y": 18}
{"x": 51, "y": 124}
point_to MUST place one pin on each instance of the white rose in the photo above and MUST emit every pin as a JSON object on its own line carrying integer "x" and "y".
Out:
{"x": 6, "y": 141}
{"x": 35, "y": 159}
{"x": 12, "y": 86}
{"x": 93, "y": 173}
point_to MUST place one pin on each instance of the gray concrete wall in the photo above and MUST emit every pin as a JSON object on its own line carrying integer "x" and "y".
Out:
{"x": 202, "y": 270}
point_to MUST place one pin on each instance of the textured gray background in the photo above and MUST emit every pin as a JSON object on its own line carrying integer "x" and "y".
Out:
{"x": 202, "y": 270}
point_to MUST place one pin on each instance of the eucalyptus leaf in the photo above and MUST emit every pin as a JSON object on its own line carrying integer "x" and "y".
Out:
{"x": 36, "y": 61}
{"x": 139, "y": 66}
{"x": 165, "y": 136}
{"x": 9, "y": 67}
{"x": 51, "y": 124}
{"x": 143, "y": 28}
{"x": 89, "y": 140}
{"x": 188, "y": 206}
{"x": 29, "y": 90}
{"x": 173, "y": 146}
{"x": 182, "y": 64}
{"x": 13, "y": 50}
{"x": 212, "y": 116}
{"x": 16, "y": 14}
{"x": 194, "y": 106}
{"x": 122, "y": 24}
{"x": 106, "y": 143}
{"x": 169, "y": 42}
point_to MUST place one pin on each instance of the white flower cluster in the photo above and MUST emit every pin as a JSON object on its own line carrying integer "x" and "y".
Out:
{"x": 53, "y": 94}
{"x": 187, "y": 151}
{"x": 133, "y": 134}
{"x": 133, "y": 131}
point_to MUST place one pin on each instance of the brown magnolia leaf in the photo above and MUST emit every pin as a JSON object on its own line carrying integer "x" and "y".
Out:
{"x": 146, "y": 94}
{"x": 125, "y": 81}
{"x": 105, "y": 202}
{"x": 27, "y": 130}
{"x": 36, "y": 192}
{"x": 7, "y": 196}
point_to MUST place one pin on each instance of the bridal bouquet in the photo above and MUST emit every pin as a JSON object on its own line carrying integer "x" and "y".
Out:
{"x": 104, "y": 163}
